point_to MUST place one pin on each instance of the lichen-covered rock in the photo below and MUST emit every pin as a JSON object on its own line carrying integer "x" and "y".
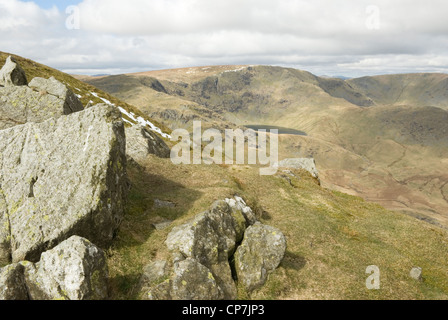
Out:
{"x": 194, "y": 281}
{"x": 261, "y": 252}
{"x": 55, "y": 88}
{"x": 12, "y": 74}
{"x": 237, "y": 204}
{"x": 19, "y": 105}
{"x": 5, "y": 232}
{"x": 211, "y": 238}
{"x": 141, "y": 142}
{"x": 76, "y": 269}
{"x": 12, "y": 283}
{"x": 62, "y": 177}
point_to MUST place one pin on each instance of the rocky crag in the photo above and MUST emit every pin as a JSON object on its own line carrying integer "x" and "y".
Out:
{"x": 63, "y": 189}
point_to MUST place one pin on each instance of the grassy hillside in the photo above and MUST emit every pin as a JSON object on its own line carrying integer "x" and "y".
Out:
{"x": 418, "y": 89}
{"x": 332, "y": 237}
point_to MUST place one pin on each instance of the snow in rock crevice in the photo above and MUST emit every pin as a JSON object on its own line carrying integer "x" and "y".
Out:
{"x": 132, "y": 116}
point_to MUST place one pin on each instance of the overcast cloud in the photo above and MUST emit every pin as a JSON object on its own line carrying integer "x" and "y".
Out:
{"x": 332, "y": 37}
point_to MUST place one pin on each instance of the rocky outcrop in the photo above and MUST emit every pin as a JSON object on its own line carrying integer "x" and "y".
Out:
{"x": 12, "y": 74}
{"x": 202, "y": 249}
{"x": 141, "y": 142}
{"x": 260, "y": 253}
{"x": 76, "y": 269}
{"x": 211, "y": 240}
{"x": 19, "y": 105}
{"x": 307, "y": 164}
{"x": 59, "y": 178}
{"x": 55, "y": 88}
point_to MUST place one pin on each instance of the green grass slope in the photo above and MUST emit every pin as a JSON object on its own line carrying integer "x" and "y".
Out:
{"x": 332, "y": 237}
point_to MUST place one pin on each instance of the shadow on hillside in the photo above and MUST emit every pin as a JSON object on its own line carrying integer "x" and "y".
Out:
{"x": 129, "y": 248}
{"x": 293, "y": 261}
{"x": 141, "y": 211}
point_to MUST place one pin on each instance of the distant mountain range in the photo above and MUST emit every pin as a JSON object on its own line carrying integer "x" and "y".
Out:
{"x": 384, "y": 138}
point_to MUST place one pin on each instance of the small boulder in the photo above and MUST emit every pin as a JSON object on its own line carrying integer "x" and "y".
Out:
{"x": 154, "y": 272}
{"x": 237, "y": 204}
{"x": 141, "y": 142}
{"x": 12, "y": 74}
{"x": 76, "y": 269}
{"x": 260, "y": 253}
{"x": 416, "y": 274}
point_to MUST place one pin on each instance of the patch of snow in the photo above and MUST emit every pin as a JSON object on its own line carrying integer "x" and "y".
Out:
{"x": 128, "y": 121}
{"x": 132, "y": 116}
{"x": 78, "y": 95}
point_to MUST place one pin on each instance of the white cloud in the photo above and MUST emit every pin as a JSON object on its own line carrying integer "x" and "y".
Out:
{"x": 322, "y": 36}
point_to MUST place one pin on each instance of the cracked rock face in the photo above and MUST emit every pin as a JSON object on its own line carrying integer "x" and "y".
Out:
{"x": 48, "y": 99}
{"x": 59, "y": 178}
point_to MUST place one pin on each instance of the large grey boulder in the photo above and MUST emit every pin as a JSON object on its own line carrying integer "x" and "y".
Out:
{"x": 12, "y": 283}
{"x": 19, "y": 105}
{"x": 76, "y": 269}
{"x": 59, "y": 178}
{"x": 260, "y": 253}
{"x": 307, "y": 164}
{"x": 12, "y": 74}
{"x": 55, "y": 88}
{"x": 141, "y": 142}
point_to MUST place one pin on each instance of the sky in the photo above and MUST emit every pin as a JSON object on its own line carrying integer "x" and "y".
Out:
{"x": 350, "y": 38}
